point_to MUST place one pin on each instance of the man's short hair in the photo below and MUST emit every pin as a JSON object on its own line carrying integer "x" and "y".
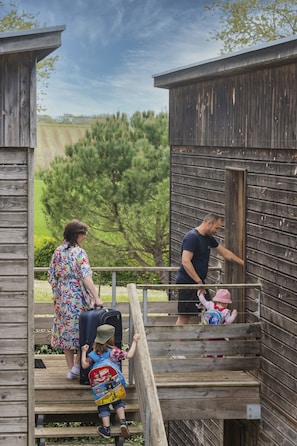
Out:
{"x": 213, "y": 218}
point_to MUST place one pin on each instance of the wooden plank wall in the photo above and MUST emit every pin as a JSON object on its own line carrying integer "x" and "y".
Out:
{"x": 254, "y": 109}
{"x": 18, "y": 100}
{"x": 247, "y": 121}
{"x": 14, "y": 286}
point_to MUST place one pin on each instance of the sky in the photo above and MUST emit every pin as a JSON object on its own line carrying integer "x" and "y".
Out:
{"x": 112, "y": 48}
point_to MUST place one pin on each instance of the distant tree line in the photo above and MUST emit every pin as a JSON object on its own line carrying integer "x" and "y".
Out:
{"x": 70, "y": 119}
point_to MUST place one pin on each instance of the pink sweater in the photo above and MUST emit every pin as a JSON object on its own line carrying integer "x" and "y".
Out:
{"x": 227, "y": 316}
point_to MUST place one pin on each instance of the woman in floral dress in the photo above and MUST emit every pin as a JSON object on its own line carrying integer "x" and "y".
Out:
{"x": 70, "y": 277}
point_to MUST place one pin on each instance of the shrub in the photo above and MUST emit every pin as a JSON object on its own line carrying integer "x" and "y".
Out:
{"x": 43, "y": 251}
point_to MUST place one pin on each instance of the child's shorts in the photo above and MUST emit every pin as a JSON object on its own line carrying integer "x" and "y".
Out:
{"x": 104, "y": 410}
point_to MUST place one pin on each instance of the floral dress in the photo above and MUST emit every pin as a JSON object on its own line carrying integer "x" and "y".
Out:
{"x": 68, "y": 267}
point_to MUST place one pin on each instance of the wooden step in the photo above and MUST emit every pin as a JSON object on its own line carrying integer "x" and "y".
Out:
{"x": 82, "y": 431}
{"x": 75, "y": 407}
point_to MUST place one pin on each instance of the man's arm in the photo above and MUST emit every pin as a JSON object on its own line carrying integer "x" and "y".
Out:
{"x": 188, "y": 265}
{"x": 228, "y": 255}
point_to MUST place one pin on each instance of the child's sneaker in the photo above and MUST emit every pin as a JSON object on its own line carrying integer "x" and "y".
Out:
{"x": 104, "y": 431}
{"x": 124, "y": 429}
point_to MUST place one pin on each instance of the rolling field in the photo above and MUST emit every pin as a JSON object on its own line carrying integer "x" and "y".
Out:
{"x": 52, "y": 140}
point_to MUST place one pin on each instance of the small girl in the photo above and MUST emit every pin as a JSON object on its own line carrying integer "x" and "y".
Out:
{"x": 220, "y": 302}
{"x": 104, "y": 342}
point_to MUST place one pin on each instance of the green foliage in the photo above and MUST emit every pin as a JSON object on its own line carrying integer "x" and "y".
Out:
{"x": 45, "y": 69}
{"x": 45, "y": 349}
{"x": 40, "y": 228}
{"x": 11, "y": 19}
{"x": 249, "y": 22}
{"x": 116, "y": 179}
{"x": 43, "y": 251}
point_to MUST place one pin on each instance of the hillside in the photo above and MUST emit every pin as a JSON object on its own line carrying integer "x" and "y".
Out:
{"x": 52, "y": 139}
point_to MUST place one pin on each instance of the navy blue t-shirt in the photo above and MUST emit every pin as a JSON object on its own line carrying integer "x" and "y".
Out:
{"x": 200, "y": 246}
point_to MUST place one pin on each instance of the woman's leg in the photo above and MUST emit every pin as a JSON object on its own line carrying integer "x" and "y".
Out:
{"x": 77, "y": 358}
{"x": 69, "y": 356}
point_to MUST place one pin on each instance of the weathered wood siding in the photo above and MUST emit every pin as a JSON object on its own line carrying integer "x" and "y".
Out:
{"x": 20, "y": 51}
{"x": 248, "y": 121}
{"x": 18, "y": 102}
{"x": 233, "y": 111}
{"x": 16, "y": 268}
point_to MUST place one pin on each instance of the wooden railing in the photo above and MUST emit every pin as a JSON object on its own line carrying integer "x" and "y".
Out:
{"x": 149, "y": 406}
{"x": 186, "y": 357}
{"x": 214, "y": 286}
{"x": 148, "y": 269}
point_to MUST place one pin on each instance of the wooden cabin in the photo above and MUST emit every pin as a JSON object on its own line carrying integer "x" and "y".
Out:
{"x": 19, "y": 54}
{"x": 233, "y": 127}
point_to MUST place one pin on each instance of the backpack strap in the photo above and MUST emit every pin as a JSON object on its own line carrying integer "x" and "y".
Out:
{"x": 96, "y": 358}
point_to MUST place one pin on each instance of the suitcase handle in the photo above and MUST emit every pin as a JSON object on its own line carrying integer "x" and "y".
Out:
{"x": 99, "y": 306}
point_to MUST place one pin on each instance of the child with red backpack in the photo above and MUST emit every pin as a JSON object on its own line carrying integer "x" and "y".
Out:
{"x": 105, "y": 361}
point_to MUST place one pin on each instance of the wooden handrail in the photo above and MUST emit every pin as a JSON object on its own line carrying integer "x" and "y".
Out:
{"x": 149, "y": 405}
{"x": 115, "y": 269}
{"x": 179, "y": 286}
{"x": 39, "y": 269}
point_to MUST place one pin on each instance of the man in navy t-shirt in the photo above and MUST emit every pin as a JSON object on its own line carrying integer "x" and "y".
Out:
{"x": 195, "y": 252}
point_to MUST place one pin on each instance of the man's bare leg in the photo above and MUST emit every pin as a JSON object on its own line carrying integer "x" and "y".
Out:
{"x": 182, "y": 319}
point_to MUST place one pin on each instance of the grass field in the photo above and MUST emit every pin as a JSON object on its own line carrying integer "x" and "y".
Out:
{"x": 40, "y": 228}
{"x": 43, "y": 293}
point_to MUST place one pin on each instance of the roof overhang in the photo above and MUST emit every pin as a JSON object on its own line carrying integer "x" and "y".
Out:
{"x": 271, "y": 54}
{"x": 41, "y": 42}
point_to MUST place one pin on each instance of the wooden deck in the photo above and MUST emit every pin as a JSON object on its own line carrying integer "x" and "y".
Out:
{"x": 195, "y": 378}
{"x": 186, "y": 395}
{"x": 210, "y": 394}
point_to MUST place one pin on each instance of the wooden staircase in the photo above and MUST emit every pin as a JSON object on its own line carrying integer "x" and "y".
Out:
{"x": 178, "y": 372}
{"x": 70, "y": 405}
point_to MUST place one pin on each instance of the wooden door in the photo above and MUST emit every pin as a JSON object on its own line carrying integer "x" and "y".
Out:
{"x": 235, "y": 230}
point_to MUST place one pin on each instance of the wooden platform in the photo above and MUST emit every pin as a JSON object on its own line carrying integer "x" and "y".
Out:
{"x": 193, "y": 377}
{"x": 199, "y": 395}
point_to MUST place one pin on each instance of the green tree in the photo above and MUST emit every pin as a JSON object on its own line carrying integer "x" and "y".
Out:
{"x": 11, "y": 19}
{"x": 249, "y": 22}
{"x": 116, "y": 179}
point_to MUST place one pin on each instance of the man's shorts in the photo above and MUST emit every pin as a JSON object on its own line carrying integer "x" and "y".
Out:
{"x": 188, "y": 300}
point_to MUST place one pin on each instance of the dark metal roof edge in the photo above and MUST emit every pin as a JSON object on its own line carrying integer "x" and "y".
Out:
{"x": 40, "y": 41}
{"x": 269, "y": 54}
{"x": 25, "y": 32}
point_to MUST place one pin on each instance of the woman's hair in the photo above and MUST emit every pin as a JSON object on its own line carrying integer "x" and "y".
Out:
{"x": 101, "y": 348}
{"x": 72, "y": 230}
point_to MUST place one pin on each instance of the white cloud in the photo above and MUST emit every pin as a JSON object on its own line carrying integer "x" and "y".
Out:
{"x": 110, "y": 50}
